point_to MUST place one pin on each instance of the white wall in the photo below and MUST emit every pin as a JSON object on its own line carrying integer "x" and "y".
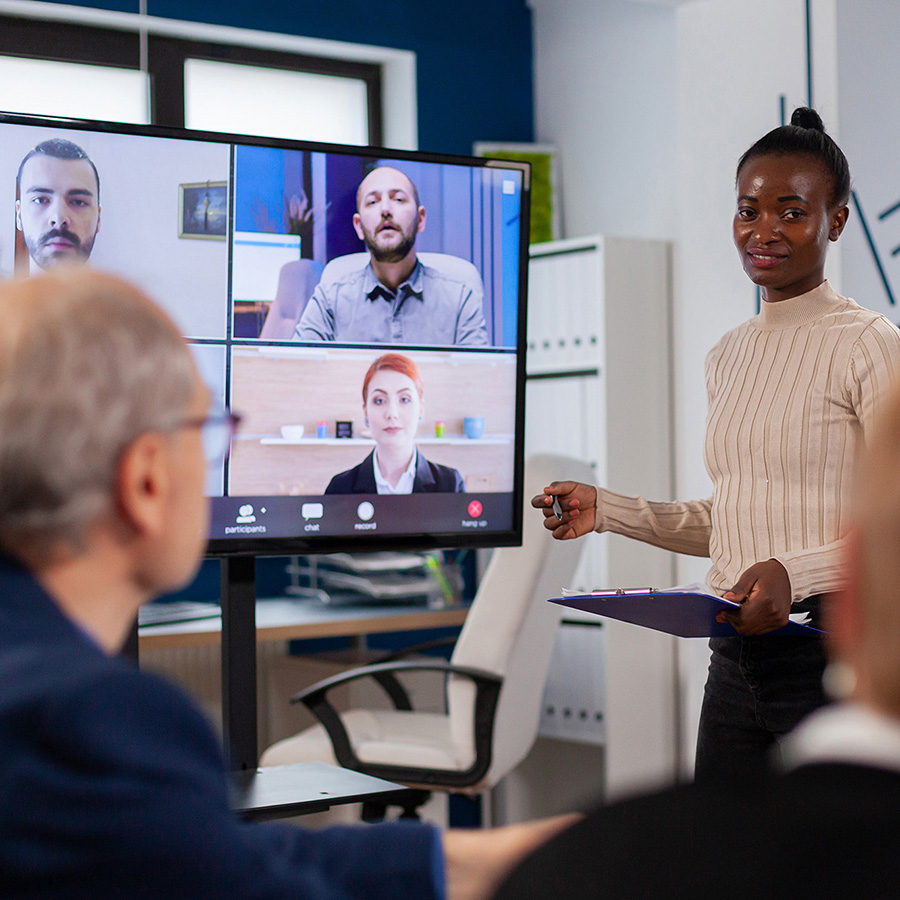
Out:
{"x": 869, "y": 71}
{"x": 605, "y": 95}
{"x": 732, "y": 71}
{"x": 651, "y": 106}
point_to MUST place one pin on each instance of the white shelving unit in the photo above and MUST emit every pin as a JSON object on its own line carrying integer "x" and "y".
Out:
{"x": 599, "y": 387}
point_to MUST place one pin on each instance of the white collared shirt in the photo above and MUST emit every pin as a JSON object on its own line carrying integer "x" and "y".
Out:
{"x": 844, "y": 733}
{"x": 404, "y": 484}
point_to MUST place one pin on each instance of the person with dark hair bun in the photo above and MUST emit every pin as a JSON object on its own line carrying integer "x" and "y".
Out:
{"x": 792, "y": 393}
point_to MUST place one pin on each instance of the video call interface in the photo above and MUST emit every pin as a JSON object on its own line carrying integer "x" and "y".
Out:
{"x": 280, "y": 265}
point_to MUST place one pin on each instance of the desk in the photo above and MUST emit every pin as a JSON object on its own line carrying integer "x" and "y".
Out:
{"x": 279, "y": 791}
{"x": 281, "y": 619}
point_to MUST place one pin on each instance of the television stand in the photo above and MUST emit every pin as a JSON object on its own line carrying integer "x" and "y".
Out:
{"x": 239, "y": 712}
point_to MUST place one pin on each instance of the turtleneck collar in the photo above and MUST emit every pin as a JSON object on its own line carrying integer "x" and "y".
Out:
{"x": 800, "y": 310}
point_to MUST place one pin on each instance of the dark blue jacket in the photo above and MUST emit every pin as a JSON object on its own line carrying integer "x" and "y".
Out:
{"x": 430, "y": 478}
{"x": 112, "y": 785}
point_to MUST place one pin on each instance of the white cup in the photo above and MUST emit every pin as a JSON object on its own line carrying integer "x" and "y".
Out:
{"x": 292, "y": 432}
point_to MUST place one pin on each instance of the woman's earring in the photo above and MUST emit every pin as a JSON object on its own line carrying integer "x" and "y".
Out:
{"x": 839, "y": 680}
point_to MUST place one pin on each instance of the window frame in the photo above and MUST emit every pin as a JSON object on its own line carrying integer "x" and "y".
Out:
{"x": 68, "y": 41}
{"x": 166, "y": 57}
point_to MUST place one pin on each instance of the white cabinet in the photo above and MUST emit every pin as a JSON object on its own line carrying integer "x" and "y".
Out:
{"x": 600, "y": 378}
{"x": 600, "y": 387}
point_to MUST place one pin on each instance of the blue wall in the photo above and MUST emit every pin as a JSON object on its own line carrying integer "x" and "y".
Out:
{"x": 474, "y": 56}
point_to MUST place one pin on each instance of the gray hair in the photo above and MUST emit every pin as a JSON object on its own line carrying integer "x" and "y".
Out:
{"x": 87, "y": 363}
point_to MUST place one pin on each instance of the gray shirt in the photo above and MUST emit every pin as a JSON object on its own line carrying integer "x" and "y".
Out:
{"x": 428, "y": 308}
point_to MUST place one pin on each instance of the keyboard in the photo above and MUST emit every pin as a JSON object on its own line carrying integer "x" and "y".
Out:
{"x": 177, "y": 611}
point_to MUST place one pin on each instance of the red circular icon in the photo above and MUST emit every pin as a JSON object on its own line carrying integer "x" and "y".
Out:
{"x": 475, "y": 509}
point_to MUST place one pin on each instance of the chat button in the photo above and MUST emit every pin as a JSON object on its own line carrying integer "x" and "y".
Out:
{"x": 312, "y": 511}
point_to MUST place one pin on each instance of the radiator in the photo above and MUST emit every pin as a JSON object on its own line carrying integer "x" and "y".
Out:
{"x": 198, "y": 671}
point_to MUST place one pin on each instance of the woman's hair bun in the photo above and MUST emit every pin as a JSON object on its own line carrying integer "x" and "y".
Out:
{"x": 807, "y": 118}
{"x": 806, "y": 136}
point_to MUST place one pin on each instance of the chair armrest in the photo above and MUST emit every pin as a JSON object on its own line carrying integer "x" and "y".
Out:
{"x": 421, "y": 647}
{"x": 487, "y": 692}
{"x": 383, "y": 672}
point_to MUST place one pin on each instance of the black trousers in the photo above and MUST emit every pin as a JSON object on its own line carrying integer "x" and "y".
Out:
{"x": 758, "y": 689}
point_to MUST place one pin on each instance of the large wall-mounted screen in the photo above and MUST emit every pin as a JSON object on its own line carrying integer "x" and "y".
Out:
{"x": 362, "y": 309}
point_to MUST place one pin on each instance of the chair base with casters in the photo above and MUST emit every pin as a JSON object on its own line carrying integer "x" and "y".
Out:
{"x": 493, "y": 683}
{"x": 375, "y": 810}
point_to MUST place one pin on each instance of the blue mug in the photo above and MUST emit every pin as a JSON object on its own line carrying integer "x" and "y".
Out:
{"x": 473, "y": 426}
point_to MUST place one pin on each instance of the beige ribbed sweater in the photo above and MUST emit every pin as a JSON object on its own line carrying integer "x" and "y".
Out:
{"x": 792, "y": 394}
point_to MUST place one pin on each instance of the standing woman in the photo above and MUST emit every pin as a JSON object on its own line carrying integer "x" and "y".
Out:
{"x": 792, "y": 392}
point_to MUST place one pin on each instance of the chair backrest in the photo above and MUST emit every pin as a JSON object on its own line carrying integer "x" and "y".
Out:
{"x": 296, "y": 282}
{"x": 510, "y": 629}
{"x": 342, "y": 266}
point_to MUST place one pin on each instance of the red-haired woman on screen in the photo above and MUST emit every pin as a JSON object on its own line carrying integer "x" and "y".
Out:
{"x": 393, "y": 404}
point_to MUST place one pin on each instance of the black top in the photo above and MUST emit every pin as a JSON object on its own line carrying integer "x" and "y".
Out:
{"x": 430, "y": 478}
{"x": 822, "y": 831}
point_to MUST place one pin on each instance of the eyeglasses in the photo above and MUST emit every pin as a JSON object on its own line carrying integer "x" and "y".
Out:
{"x": 217, "y": 430}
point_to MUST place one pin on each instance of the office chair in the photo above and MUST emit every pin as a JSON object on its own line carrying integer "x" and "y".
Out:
{"x": 494, "y": 681}
{"x": 296, "y": 282}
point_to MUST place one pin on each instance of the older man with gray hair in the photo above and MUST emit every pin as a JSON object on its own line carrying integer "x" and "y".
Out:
{"x": 111, "y": 781}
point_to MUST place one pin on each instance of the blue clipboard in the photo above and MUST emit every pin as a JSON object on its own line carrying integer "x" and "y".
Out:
{"x": 682, "y": 613}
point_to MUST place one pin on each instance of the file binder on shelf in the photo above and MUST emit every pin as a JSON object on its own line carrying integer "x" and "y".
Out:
{"x": 685, "y": 613}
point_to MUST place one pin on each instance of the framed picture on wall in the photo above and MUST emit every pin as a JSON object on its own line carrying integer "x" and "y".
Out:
{"x": 546, "y": 218}
{"x": 203, "y": 210}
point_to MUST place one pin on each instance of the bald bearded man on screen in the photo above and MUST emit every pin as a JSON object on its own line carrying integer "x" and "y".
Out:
{"x": 395, "y": 298}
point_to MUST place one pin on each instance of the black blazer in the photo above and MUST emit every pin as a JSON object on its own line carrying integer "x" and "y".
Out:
{"x": 823, "y": 831}
{"x": 430, "y": 478}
